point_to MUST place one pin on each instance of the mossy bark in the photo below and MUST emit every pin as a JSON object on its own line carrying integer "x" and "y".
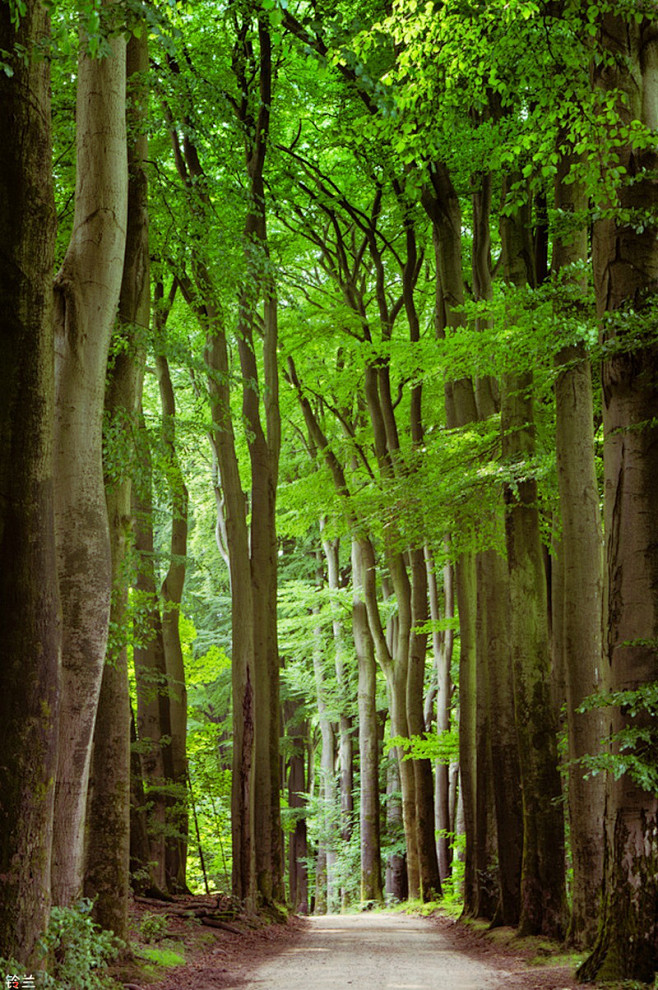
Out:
{"x": 543, "y": 891}
{"x": 625, "y": 257}
{"x": 29, "y": 622}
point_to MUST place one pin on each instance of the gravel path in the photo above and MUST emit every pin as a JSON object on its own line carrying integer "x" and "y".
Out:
{"x": 372, "y": 952}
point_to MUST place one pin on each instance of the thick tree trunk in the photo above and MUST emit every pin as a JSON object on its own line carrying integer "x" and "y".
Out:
{"x": 87, "y": 295}
{"x": 442, "y": 206}
{"x": 626, "y": 281}
{"x": 371, "y": 864}
{"x": 581, "y": 560}
{"x": 503, "y": 738}
{"x": 29, "y": 627}
{"x": 543, "y": 893}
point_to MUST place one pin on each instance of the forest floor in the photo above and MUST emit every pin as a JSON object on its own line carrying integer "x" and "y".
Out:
{"x": 370, "y": 951}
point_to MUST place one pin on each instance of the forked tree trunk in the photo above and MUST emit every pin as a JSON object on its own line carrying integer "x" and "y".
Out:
{"x": 626, "y": 283}
{"x": 29, "y": 627}
{"x": 87, "y": 295}
{"x": 107, "y": 867}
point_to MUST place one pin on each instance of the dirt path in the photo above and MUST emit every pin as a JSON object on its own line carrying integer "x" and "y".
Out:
{"x": 371, "y": 952}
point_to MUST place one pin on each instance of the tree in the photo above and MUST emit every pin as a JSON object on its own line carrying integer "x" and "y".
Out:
{"x": 86, "y": 298}
{"x": 29, "y": 607}
{"x": 625, "y": 261}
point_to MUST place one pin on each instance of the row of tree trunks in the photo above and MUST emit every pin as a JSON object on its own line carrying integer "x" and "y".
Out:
{"x": 29, "y": 626}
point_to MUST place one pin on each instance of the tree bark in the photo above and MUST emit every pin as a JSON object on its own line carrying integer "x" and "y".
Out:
{"x": 29, "y": 621}
{"x": 107, "y": 867}
{"x": 582, "y": 569}
{"x": 369, "y": 812}
{"x": 87, "y": 295}
{"x": 153, "y": 713}
{"x": 171, "y": 594}
{"x": 625, "y": 259}
{"x": 543, "y": 893}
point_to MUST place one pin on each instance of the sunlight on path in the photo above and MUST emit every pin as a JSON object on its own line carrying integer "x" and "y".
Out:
{"x": 372, "y": 952}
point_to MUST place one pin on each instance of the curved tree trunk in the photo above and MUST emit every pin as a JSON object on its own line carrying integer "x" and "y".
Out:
{"x": 87, "y": 295}
{"x": 108, "y": 829}
{"x": 29, "y": 626}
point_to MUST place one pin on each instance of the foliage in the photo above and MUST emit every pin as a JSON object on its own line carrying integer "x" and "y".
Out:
{"x": 442, "y": 747}
{"x": 153, "y": 927}
{"x": 633, "y": 749}
{"x": 78, "y": 950}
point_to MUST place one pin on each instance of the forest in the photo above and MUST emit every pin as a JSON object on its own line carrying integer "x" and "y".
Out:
{"x": 329, "y": 462}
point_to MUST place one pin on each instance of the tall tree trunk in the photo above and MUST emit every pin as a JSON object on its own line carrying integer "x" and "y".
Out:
{"x": 172, "y": 593}
{"x": 581, "y": 560}
{"x": 29, "y": 627}
{"x": 442, "y": 206}
{"x": 242, "y": 636}
{"x": 442, "y": 644}
{"x": 543, "y": 893}
{"x": 371, "y": 865}
{"x": 264, "y": 443}
{"x": 329, "y": 813}
{"x": 345, "y": 745}
{"x": 626, "y": 283}
{"x": 87, "y": 295}
{"x": 108, "y": 830}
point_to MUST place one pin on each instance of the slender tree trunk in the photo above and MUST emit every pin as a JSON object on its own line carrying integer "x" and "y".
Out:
{"x": 29, "y": 626}
{"x": 242, "y": 638}
{"x": 297, "y": 733}
{"x": 371, "y": 865}
{"x": 543, "y": 893}
{"x": 87, "y": 295}
{"x": 345, "y": 729}
{"x": 329, "y": 814}
{"x": 172, "y": 593}
{"x": 397, "y": 884}
{"x": 442, "y": 645}
{"x": 626, "y": 282}
{"x": 153, "y": 715}
{"x": 582, "y": 570}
